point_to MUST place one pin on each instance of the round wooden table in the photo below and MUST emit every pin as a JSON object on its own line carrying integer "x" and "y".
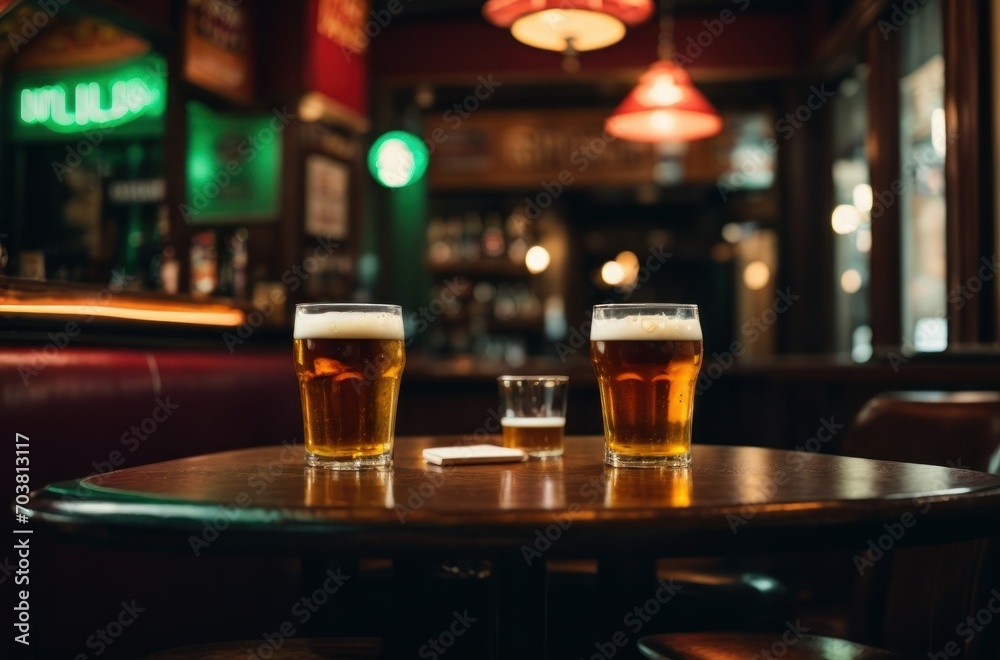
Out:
{"x": 732, "y": 500}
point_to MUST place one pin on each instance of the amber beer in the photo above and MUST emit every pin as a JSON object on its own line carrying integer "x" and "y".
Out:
{"x": 349, "y": 360}
{"x": 536, "y": 436}
{"x": 647, "y": 359}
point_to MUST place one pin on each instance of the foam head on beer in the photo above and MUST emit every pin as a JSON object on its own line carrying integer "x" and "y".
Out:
{"x": 645, "y": 327}
{"x": 348, "y": 325}
{"x": 533, "y": 422}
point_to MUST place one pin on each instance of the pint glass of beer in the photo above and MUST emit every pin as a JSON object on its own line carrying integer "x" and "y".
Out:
{"x": 533, "y": 413}
{"x": 349, "y": 359}
{"x": 647, "y": 359}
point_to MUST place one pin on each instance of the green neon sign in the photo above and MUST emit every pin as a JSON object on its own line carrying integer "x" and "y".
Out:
{"x": 398, "y": 159}
{"x": 54, "y": 105}
{"x": 93, "y": 103}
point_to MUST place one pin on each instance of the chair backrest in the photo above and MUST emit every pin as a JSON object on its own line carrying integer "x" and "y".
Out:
{"x": 953, "y": 429}
{"x": 916, "y": 600}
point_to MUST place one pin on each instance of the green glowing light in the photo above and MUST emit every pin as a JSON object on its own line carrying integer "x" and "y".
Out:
{"x": 81, "y": 100}
{"x": 233, "y": 166}
{"x": 398, "y": 159}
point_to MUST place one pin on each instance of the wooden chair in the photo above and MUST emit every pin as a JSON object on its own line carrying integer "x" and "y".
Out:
{"x": 913, "y": 603}
{"x": 952, "y": 429}
{"x": 916, "y": 600}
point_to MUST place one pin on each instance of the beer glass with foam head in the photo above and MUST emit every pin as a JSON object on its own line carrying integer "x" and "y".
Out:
{"x": 534, "y": 413}
{"x": 647, "y": 358}
{"x": 349, "y": 359}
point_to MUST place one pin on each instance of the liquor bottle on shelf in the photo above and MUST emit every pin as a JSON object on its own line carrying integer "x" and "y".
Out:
{"x": 453, "y": 236}
{"x": 170, "y": 270}
{"x": 204, "y": 264}
{"x": 495, "y": 312}
{"x": 438, "y": 248}
{"x": 233, "y": 265}
{"x": 494, "y": 244}
{"x": 505, "y": 305}
{"x": 471, "y": 236}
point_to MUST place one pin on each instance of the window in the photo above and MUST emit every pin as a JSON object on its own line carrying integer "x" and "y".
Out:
{"x": 850, "y": 218}
{"x": 923, "y": 142}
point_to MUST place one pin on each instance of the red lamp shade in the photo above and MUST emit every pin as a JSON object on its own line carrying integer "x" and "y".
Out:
{"x": 561, "y": 25}
{"x": 664, "y": 107}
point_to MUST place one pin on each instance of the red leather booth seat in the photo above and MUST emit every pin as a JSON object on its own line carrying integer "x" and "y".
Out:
{"x": 90, "y": 410}
{"x": 78, "y": 409}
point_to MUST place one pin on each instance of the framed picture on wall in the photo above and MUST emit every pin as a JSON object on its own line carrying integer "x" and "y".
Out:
{"x": 233, "y": 167}
{"x": 219, "y": 52}
{"x": 326, "y": 203}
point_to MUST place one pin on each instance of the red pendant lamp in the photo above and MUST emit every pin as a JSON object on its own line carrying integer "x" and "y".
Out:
{"x": 665, "y": 106}
{"x": 570, "y": 26}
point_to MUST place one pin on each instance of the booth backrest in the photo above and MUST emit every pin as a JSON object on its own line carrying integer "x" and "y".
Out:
{"x": 90, "y": 410}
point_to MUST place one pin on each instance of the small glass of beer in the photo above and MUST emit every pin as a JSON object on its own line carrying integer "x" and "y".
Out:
{"x": 647, "y": 358}
{"x": 349, "y": 359}
{"x": 533, "y": 410}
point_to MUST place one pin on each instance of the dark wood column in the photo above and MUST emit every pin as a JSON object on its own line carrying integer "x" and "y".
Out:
{"x": 807, "y": 248}
{"x": 883, "y": 161}
{"x": 175, "y": 150}
{"x": 969, "y": 180}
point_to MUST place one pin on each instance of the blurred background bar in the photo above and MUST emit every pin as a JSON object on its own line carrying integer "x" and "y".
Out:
{"x": 224, "y": 160}
{"x": 819, "y": 177}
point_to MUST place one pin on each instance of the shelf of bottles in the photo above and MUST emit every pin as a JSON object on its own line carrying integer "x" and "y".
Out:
{"x": 484, "y": 265}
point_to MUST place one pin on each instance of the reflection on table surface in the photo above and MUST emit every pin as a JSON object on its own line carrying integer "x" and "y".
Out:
{"x": 343, "y": 488}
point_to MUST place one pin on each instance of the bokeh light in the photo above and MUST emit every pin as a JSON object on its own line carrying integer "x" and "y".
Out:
{"x": 850, "y": 281}
{"x": 537, "y": 259}
{"x": 732, "y": 232}
{"x": 756, "y": 275}
{"x": 862, "y": 197}
{"x": 845, "y": 219}
{"x": 398, "y": 159}
{"x": 612, "y": 273}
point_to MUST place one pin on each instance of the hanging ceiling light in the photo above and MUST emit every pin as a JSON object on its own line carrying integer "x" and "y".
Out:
{"x": 567, "y": 26}
{"x": 665, "y": 106}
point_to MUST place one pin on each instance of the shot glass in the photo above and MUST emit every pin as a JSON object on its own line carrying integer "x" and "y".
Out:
{"x": 533, "y": 413}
